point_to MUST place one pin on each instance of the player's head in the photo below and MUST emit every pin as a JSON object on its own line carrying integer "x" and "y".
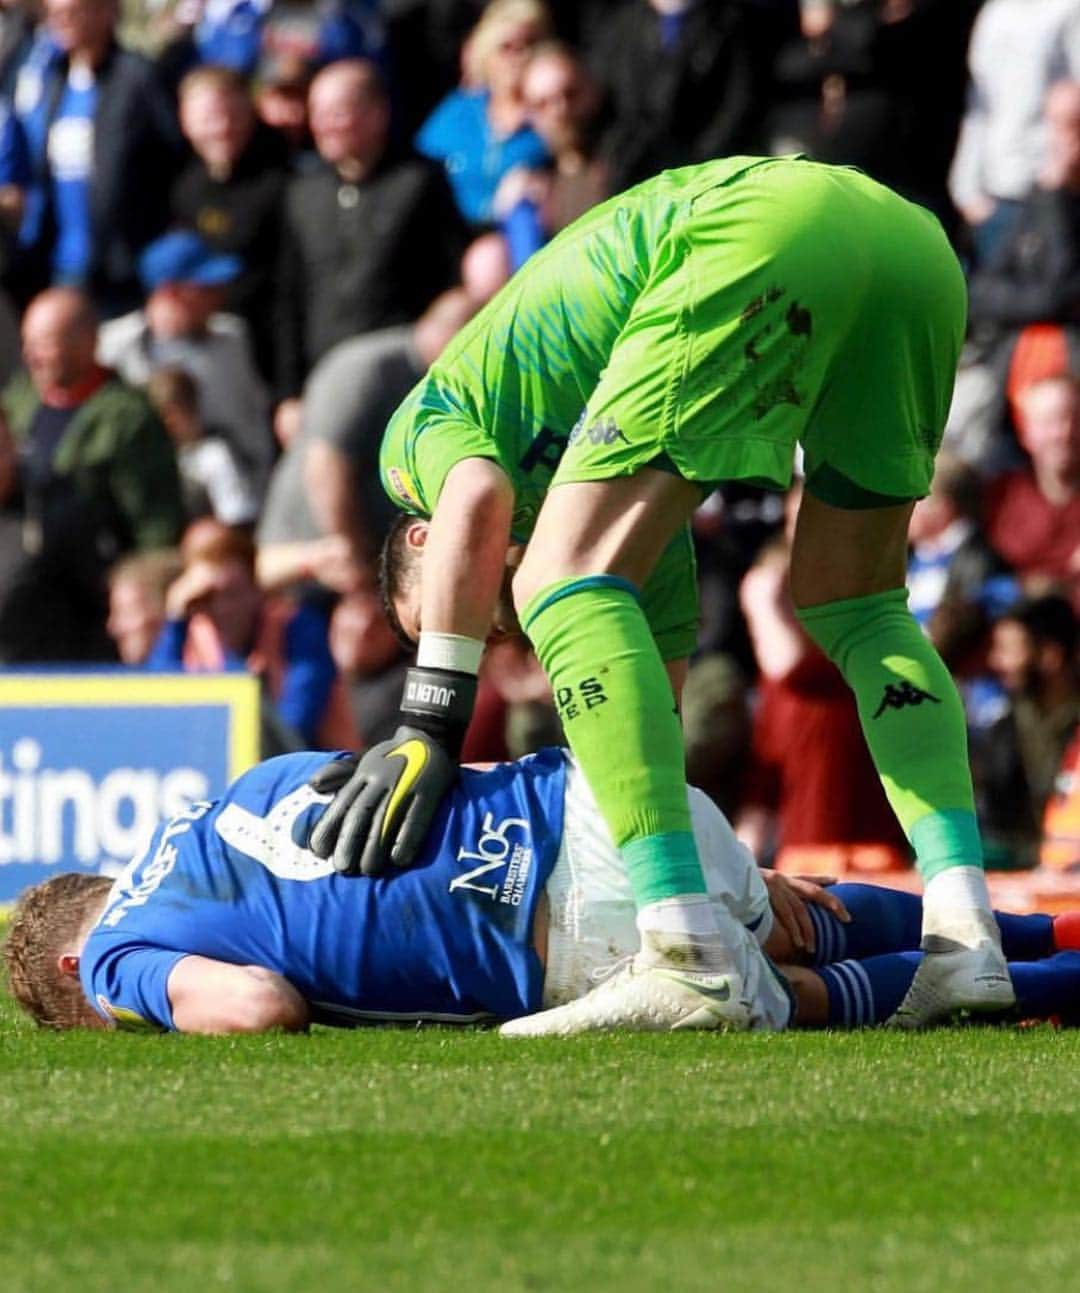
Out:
{"x": 400, "y": 582}
{"x": 48, "y": 928}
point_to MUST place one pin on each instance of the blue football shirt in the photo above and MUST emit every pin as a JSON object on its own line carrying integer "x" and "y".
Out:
{"x": 450, "y": 939}
{"x": 71, "y": 166}
{"x": 459, "y": 135}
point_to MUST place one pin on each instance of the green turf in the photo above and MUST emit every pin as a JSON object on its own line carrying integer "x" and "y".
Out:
{"x": 397, "y": 1160}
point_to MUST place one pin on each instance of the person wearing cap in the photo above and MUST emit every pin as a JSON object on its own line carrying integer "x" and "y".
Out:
{"x": 182, "y": 326}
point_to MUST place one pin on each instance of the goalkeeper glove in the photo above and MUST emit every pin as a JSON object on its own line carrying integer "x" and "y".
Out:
{"x": 382, "y": 813}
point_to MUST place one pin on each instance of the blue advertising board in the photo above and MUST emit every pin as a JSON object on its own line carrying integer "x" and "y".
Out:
{"x": 90, "y": 763}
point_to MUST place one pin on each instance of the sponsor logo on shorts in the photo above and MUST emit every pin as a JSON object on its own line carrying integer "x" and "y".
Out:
{"x": 602, "y": 431}
{"x": 903, "y": 696}
{"x": 404, "y": 487}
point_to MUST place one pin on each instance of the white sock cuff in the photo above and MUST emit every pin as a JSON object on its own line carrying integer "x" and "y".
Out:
{"x": 956, "y": 906}
{"x": 690, "y": 913}
{"x": 449, "y": 651}
{"x": 958, "y": 886}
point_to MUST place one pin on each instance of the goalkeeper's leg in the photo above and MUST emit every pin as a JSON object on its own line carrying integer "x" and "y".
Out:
{"x": 594, "y": 545}
{"x": 847, "y": 581}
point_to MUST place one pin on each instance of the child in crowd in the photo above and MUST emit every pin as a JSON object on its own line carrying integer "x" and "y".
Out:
{"x": 212, "y": 480}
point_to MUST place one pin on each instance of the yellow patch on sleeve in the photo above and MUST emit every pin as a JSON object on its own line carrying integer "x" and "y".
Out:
{"x": 126, "y": 1020}
{"x": 404, "y": 487}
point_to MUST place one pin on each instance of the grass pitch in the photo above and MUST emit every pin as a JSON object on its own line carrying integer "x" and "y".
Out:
{"x": 440, "y": 1160}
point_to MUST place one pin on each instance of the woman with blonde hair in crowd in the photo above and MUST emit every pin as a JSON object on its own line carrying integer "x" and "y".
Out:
{"x": 563, "y": 103}
{"x": 481, "y": 130}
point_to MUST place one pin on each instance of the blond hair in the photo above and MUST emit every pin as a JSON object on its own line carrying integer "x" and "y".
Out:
{"x": 484, "y": 38}
{"x": 47, "y": 921}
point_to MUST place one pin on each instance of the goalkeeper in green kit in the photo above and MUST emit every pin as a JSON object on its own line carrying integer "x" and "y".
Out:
{"x": 690, "y": 331}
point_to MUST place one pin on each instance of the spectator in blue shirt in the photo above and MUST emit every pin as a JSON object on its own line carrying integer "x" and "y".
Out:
{"x": 481, "y": 131}
{"x": 563, "y": 103}
{"x": 14, "y": 174}
{"x": 103, "y": 146}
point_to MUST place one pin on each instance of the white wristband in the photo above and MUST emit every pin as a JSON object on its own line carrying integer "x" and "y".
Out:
{"x": 449, "y": 651}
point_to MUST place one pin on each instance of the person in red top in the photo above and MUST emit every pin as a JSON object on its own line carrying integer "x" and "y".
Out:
{"x": 1034, "y": 513}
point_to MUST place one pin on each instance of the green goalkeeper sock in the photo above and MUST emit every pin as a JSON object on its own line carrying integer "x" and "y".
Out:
{"x": 615, "y": 701}
{"x": 913, "y": 720}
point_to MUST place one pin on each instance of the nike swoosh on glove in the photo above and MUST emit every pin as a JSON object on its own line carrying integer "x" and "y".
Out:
{"x": 381, "y": 814}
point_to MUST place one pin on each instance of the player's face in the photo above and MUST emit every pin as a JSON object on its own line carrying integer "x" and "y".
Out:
{"x": 503, "y": 625}
{"x": 407, "y": 605}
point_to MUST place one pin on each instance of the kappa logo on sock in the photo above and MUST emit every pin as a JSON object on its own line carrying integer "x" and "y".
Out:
{"x": 901, "y": 696}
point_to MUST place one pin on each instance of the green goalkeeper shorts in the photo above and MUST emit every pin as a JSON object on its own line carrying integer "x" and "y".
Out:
{"x": 796, "y": 303}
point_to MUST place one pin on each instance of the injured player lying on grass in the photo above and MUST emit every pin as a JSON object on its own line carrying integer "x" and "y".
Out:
{"x": 228, "y": 923}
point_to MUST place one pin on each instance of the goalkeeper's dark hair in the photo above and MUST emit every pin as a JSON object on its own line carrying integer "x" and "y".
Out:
{"x": 399, "y": 571}
{"x": 47, "y": 919}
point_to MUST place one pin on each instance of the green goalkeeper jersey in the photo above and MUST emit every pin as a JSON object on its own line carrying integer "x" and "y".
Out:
{"x": 706, "y": 322}
{"x": 516, "y": 380}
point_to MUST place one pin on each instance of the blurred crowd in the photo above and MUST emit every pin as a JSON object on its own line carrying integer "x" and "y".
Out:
{"x": 234, "y": 233}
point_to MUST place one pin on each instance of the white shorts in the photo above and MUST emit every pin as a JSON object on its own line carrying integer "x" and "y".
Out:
{"x": 592, "y": 919}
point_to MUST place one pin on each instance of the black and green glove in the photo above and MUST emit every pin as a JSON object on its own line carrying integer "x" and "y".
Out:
{"x": 380, "y": 816}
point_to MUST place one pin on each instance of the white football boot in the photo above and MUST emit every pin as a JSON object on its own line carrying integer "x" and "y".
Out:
{"x": 643, "y": 996}
{"x": 963, "y": 969}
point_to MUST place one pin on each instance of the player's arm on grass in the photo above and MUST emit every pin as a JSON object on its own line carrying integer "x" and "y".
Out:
{"x": 382, "y": 813}
{"x": 208, "y": 996}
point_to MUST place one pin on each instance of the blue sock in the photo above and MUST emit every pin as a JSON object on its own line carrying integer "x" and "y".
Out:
{"x": 862, "y": 993}
{"x": 882, "y": 920}
{"x": 889, "y": 920}
{"x": 1048, "y": 987}
{"x": 1025, "y": 938}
